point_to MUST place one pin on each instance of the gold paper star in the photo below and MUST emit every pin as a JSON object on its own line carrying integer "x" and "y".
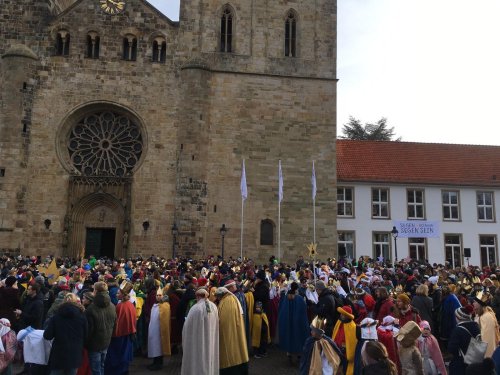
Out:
{"x": 312, "y": 249}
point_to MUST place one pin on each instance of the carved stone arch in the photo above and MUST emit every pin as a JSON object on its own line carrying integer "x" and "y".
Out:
{"x": 157, "y": 35}
{"x": 292, "y": 11}
{"x": 61, "y": 26}
{"x": 98, "y": 210}
{"x": 131, "y": 31}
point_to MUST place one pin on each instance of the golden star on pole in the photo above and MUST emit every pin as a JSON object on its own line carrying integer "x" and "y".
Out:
{"x": 312, "y": 250}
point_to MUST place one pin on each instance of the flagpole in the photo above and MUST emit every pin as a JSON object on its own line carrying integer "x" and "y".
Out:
{"x": 241, "y": 234}
{"x": 279, "y": 231}
{"x": 313, "y": 182}
{"x": 280, "y": 198}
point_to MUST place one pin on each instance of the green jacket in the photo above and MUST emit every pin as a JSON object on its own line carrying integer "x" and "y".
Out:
{"x": 101, "y": 317}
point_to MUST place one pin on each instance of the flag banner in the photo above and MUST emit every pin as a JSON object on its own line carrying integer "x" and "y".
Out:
{"x": 280, "y": 183}
{"x": 244, "y": 191}
{"x": 313, "y": 182}
{"x": 417, "y": 228}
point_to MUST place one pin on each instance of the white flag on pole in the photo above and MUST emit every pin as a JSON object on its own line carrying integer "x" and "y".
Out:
{"x": 244, "y": 191}
{"x": 313, "y": 182}
{"x": 280, "y": 183}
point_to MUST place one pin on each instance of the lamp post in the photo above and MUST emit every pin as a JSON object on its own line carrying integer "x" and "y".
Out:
{"x": 395, "y": 233}
{"x": 175, "y": 231}
{"x": 223, "y": 231}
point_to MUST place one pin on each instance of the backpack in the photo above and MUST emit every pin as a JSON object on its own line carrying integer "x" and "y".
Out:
{"x": 475, "y": 350}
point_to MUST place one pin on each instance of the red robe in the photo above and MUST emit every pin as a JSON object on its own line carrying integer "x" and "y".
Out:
{"x": 387, "y": 338}
{"x": 175, "y": 327}
{"x": 125, "y": 319}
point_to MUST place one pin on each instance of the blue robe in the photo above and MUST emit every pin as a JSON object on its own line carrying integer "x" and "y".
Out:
{"x": 448, "y": 320}
{"x": 293, "y": 326}
{"x": 243, "y": 302}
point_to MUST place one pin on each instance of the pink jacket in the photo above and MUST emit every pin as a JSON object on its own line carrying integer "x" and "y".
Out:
{"x": 429, "y": 346}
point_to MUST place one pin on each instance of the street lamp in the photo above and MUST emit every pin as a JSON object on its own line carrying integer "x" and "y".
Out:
{"x": 395, "y": 233}
{"x": 223, "y": 231}
{"x": 175, "y": 231}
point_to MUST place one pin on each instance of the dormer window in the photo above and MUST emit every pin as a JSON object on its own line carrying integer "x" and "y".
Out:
{"x": 62, "y": 43}
{"x": 93, "y": 45}
{"x": 291, "y": 34}
{"x": 159, "y": 50}
{"x": 226, "y": 30}
{"x": 130, "y": 47}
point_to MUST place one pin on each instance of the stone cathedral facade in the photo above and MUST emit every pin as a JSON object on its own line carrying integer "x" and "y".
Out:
{"x": 117, "y": 123}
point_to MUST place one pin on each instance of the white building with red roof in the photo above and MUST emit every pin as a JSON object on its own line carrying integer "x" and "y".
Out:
{"x": 441, "y": 198}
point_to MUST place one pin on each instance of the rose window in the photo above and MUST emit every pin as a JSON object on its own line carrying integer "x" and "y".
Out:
{"x": 105, "y": 144}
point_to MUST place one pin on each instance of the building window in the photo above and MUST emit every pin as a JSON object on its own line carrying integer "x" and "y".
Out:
{"x": 93, "y": 45}
{"x": 2, "y": 172}
{"x": 451, "y": 209}
{"x": 453, "y": 249}
{"x": 345, "y": 201}
{"x": 415, "y": 204}
{"x": 62, "y": 43}
{"x": 345, "y": 245}
{"x": 291, "y": 34}
{"x": 380, "y": 203}
{"x": 130, "y": 48}
{"x": 417, "y": 248}
{"x": 488, "y": 248}
{"x": 226, "y": 30}
{"x": 159, "y": 50}
{"x": 484, "y": 206}
{"x": 381, "y": 246}
{"x": 266, "y": 232}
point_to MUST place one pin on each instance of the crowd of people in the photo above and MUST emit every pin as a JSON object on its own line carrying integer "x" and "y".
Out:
{"x": 331, "y": 317}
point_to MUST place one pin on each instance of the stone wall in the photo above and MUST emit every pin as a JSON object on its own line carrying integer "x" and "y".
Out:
{"x": 202, "y": 112}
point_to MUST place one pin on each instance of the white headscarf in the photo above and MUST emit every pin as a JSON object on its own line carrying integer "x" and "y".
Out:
{"x": 368, "y": 329}
{"x": 4, "y": 329}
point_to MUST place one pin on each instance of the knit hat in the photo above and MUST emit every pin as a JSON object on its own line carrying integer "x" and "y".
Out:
{"x": 346, "y": 311}
{"x": 89, "y": 296}
{"x": 464, "y": 313}
{"x": 320, "y": 285}
{"x": 9, "y": 281}
{"x": 404, "y": 298}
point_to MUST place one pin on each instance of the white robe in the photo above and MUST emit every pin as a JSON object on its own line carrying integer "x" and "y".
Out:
{"x": 35, "y": 349}
{"x": 154, "y": 333}
{"x": 200, "y": 340}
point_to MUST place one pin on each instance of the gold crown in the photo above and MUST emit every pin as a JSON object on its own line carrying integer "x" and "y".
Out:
{"x": 318, "y": 323}
{"x": 483, "y": 298}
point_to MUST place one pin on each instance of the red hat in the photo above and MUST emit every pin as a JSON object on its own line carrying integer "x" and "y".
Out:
{"x": 194, "y": 281}
{"x": 346, "y": 311}
{"x": 202, "y": 281}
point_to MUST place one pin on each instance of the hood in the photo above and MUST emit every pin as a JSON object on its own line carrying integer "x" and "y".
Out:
{"x": 102, "y": 299}
{"x": 69, "y": 310}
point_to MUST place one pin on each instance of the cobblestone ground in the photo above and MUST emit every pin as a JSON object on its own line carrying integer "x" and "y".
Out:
{"x": 276, "y": 363}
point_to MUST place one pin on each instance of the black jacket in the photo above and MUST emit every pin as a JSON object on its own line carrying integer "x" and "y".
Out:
{"x": 32, "y": 312}
{"x": 327, "y": 309}
{"x": 68, "y": 328}
{"x": 459, "y": 340}
{"x": 261, "y": 294}
{"x": 101, "y": 317}
{"x": 379, "y": 368}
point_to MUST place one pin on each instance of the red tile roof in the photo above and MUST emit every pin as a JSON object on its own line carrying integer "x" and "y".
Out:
{"x": 418, "y": 163}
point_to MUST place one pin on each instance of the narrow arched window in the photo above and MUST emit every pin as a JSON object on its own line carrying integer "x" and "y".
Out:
{"x": 266, "y": 232}
{"x": 130, "y": 48}
{"x": 291, "y": 34}
{"x": 62, "y": 43}
{"x": 159, "y": 51}
{"x": 226, "y": 31}
{"x": 93, "y": 45}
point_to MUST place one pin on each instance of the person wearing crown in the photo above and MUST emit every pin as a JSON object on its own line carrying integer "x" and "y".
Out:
{"x": 121, "y": 349}
{"x": 320, "y": 354}
{"x": 485, "y": 317}
{"x": 159, "y": 331}
{"x": 346, "y": 335}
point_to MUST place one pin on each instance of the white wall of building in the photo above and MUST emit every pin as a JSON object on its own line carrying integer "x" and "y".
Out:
{"x": 468, "y": 226}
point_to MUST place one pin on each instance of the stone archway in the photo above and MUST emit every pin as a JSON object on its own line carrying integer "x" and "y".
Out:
{"x": 98, "y": 212}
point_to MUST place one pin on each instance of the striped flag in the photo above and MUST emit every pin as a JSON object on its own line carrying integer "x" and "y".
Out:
{"x": 313, "y": 182}
{"x": 280, "y": 183}
{"x": 244, "y": 191}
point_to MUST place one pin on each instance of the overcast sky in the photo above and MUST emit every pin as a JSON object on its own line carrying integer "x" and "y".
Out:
{"x": 431, "y": 67}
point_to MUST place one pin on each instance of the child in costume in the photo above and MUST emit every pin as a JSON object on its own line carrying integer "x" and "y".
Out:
{"x": 409, "y": 355}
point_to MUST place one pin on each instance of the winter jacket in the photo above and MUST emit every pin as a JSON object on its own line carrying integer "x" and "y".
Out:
{"x": 101, "y": 317}
{"x": 68, "y": 328}
{"x": 423, "y": 305}
{"x": 383, "y": 308}
{"x": 32, "y": 312}
{"x": 459, "y": 340}
{"x": 10, "y": 301}
{"x": 327, "y": 309}
{"x": 261, "y": 294}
